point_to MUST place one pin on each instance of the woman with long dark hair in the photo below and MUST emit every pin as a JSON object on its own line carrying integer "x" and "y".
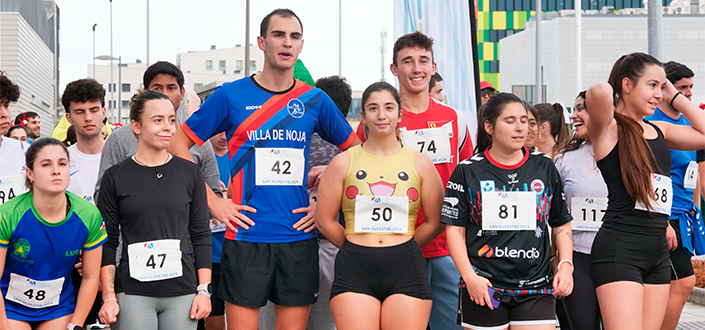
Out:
{"x": 497, "y": 210}
{"x": 629, "y": 258}
{"x": 42, "y": 234}
{"x": 380, "y": 272}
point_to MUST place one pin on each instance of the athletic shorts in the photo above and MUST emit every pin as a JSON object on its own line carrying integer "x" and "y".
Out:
{"x": 381, "y": 271}
{"x": 622, "y": 256}
{"x": 217, "y": 304}
{"x": 681, "y": 266}
{"x": 534, "y": 309}
{"x": 285, "y": 273}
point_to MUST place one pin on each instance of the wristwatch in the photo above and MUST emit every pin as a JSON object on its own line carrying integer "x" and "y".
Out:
{"x": 74, "y": 327}
{"x": 207, "y": 288}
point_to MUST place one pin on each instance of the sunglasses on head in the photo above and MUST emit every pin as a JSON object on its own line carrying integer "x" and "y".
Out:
{"x": 486, "y": 93}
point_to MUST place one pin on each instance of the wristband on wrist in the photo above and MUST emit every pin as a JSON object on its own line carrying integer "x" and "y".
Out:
{"x": 204, "y": 293}
{"x": 674, "y": 97}
{"x": 572, "y": 268}
{"x": 107, "y": 293}
{"x": 109, "y": 299}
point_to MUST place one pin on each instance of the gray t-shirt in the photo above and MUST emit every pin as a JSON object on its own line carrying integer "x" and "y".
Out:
{"x": 581, "y": 178}
{"x": 123, "y": 143}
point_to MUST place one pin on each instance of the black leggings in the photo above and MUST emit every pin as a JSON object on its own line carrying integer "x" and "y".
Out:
{"x": 581, "y": 306}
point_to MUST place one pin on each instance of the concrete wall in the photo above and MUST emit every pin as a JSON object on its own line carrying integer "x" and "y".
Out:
{"x": 604, "y": 39}
{"x": 30, "y": 64}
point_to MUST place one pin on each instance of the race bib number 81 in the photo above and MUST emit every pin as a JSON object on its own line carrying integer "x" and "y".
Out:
{"x": 382, "y": 215}
{"x": 279, "y": 166}
{"x": 509, "y": 210}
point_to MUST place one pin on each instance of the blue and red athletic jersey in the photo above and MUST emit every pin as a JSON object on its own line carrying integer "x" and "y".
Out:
{"x": 254, "y": 118}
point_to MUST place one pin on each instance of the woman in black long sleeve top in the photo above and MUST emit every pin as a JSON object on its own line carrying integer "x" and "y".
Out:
{"x": 157, "y": 204}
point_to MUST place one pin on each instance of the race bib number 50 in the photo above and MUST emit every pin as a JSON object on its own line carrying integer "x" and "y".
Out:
{"x": 382, "y": 214}
{"x": 509, "y": 210}
{"x": 279, "y": 166}
{"x": 33, "y": 293}
{"x": 155, "y": 260}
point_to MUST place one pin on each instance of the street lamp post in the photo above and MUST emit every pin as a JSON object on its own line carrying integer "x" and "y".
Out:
{"x": 111, "y": 59}
{"x": 94, "y": 25}
{"x": 112, "y": 80}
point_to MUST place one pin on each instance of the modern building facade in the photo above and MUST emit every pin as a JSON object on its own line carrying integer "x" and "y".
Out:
{"x": 202, "y": 70}
{"x": 605, "y": 38}
{"x": 29, "y": 55}
{"x": 497, "y": 19}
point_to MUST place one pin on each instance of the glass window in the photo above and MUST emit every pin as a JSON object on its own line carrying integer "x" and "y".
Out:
{"x": 238, "y": 66}
{"x": 221, "y": 65}
{"x": 493, "y": 5}
{"x": 501, "y": 5}
{"x": 253, "y": 66}
{"x": 510, "y": 6}
{"x": 209, "y": 65}
{"x": 197, "y": 85}
{"x": 529, "y": 5}
{"x": 518, "y": 5}
{"x": 125, "y": 104}
{"x": 493, "y": 36}
{"x": 126, "y": 88}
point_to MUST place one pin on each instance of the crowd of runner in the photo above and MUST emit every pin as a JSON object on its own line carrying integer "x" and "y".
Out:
{"x": 264, "y": 208}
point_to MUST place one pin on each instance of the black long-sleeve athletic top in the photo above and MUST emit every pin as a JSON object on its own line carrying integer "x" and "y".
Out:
{"x": 143, "y": 208}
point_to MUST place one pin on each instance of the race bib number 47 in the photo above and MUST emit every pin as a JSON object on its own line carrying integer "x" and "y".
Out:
{"x": 279, "y": 166}
{"x": 382, "y": 215}
{"x": 509, "y": 210}
{"x": 11, "y": 187}
{"x": 155, "y": 260}
{"x": 33, "y": 293}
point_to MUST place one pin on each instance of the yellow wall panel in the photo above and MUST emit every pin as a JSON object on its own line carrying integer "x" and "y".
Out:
{"x": 499, "y": 20}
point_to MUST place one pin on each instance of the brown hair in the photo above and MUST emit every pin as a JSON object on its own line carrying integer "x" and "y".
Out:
{"x": 575, "y": 142}
{"x": 553, "y": 114}
{"x": 636, "y": 159}
{"x": 413, "y": 39}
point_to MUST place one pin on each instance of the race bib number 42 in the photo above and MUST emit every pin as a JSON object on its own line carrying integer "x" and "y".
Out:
{"x": 382, "y": 215}
{"x": 587, "y": 213}
{"x": 11, "y": 187}
{"x": 432, "y": 142}
{"x": 663, "y": 195}
{"x": 279, "y": 166}
{"x": 155, "y": 260}
{"x": 33, "y": 293}
{"x": 509, "y": 210}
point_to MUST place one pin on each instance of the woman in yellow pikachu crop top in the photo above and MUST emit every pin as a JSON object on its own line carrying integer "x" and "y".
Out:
{"x": 381, "y": 185}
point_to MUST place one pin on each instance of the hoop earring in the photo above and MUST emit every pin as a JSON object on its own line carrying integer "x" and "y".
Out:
{"x": 543, "y": 137}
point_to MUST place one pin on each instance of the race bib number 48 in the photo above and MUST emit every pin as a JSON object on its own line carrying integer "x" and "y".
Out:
{"x": 509, "y": 210}
{"x": 155, "y": 260}
{"x": 11, "y": 187}
{"x": 279, "y": 166}
{"x": 663, "y": 195}
{"x": 432, "y": 142}
{"x": 587, "y": 213}
{"x": 382, "y": 215}
{"x": 33, "y": 293}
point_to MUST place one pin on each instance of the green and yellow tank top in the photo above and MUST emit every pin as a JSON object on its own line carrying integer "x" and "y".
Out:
{"x": 382, "y": 194}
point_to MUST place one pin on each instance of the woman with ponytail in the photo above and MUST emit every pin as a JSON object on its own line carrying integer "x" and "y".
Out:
{"x": 629, "y": 259}
{"x": 552, "y": 130}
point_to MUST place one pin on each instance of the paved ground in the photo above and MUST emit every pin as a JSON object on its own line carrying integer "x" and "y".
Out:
{"x": 692, "y": 317}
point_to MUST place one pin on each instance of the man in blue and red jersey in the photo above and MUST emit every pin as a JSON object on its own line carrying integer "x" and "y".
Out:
{"x": 270, "y": 252}
{"x": 441, "y": 133}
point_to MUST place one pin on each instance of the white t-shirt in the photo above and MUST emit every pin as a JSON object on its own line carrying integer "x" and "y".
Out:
{"x": 12, "y": 168}
{"x": 84, "y": 173}
{"x": 581, "y": 178}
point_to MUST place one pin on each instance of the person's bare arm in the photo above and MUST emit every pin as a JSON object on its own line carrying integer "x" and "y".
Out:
{"x": 89, "y": 284}
{"x": 222, "y": 209}
{"x": 330, "y": 194}
{"x": 432, "y": 192}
